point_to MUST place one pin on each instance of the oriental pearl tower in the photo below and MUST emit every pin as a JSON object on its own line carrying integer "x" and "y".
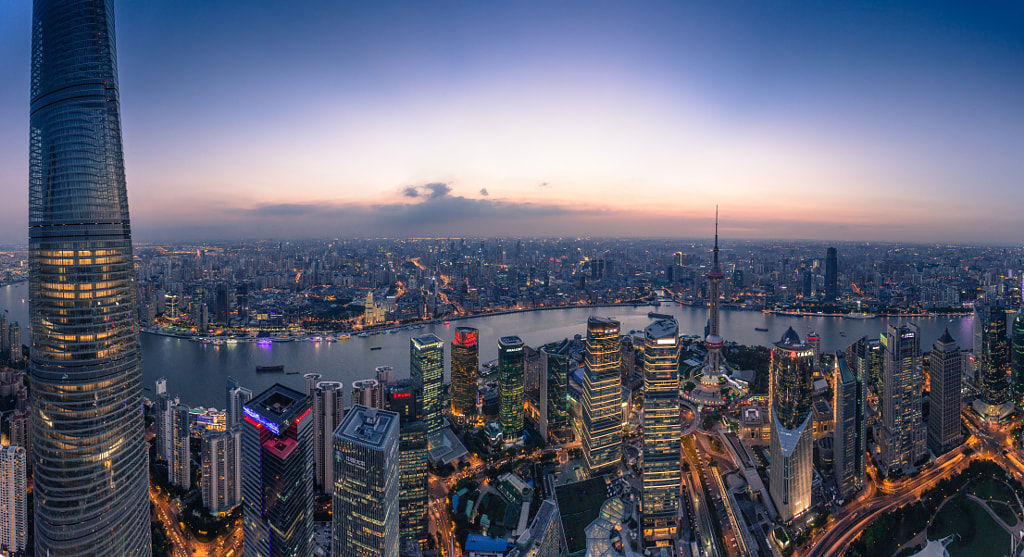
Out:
{"x": 714, "y": 342}
{"x": 712, "y": 388}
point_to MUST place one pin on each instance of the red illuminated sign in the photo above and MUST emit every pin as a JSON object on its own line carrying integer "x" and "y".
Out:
{"x": 401, "y": 395}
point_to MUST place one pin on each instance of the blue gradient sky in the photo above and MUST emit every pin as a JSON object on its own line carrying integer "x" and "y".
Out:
{"x": 827, "y": 120}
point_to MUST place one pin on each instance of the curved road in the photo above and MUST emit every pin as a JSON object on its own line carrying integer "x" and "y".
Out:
{"x": 860, "y": 515}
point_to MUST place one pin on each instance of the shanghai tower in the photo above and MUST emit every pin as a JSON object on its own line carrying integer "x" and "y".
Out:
{"x": 91, "y": 467}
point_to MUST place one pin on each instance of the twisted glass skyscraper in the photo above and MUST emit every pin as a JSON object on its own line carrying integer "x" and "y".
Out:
{"x": 91, "y": 470}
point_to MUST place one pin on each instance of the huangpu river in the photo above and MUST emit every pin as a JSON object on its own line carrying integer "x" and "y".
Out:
{"x": 198, "y": 372}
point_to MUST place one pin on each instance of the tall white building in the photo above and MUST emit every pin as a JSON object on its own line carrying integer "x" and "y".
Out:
{"x": 367, "y": 392}
{"x": 310, "y": 380}
{"x": 179, "y": 465}
{"x": 366, "y": 466}
{"x": 165, "y": 405}
{"x": 328, "y": 410}
{"x": 13, "y": 496}
{"x": 238, "y": 397}
{"x": 222, "y": 470}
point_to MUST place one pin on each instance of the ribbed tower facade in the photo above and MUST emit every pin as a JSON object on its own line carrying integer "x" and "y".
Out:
{"x": 91, "y": 469}
{"x": 662, "y": 432}
{"x": 465, "y": 362}
{"x": 602, "y": 397}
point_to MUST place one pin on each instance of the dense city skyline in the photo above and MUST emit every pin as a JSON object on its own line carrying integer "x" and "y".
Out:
{"x": 837, "y": 122}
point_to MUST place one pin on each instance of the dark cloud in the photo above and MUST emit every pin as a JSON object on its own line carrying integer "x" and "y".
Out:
{"x": 284, "y": 210}
{"x": 432, "y": 212}
{"x": 433, "y": 190}
{"x": 484, "y": 192}
{"x": 438, "y": 189}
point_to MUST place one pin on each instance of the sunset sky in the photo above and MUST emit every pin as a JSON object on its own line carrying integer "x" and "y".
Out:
{"x": 896, "y": 121}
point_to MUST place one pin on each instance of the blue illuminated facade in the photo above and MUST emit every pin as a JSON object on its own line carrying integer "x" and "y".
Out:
{"x": 277, "y": 474}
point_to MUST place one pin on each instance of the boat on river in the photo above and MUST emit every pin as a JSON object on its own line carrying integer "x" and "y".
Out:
{"x": 269, "y": 369}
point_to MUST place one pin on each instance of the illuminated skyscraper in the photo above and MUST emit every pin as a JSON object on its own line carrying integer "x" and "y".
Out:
{"x": 662, "y": 430}
{"x": 792, "y": 431}
{"x": 222, "y": 470}
{"x": 366, "y": 466}
{"x": 412, "y": 463}
{"x": 328, "y": 401}
{"x": 554, "y": 388}
{"x": 848, "y": 415}
{"x": 1017, "y": 361}
{"x": 831, "y": 275}
{"x": 426, "y": 369}
{"x": 903, "y": 438}
{"x": 91, "y": 486}
{"x": 511, "y": 377}
{"x": 413, "y": 499}
{"x": 944, "y": 379}
{"x": 179, "y": 467}
{"x": 602, "y": 397}
{"x": 277, "y": 474}
{"x": 465, "y": 362}
{"x": 994, "y": 357}
{"x": 13, "y": 500}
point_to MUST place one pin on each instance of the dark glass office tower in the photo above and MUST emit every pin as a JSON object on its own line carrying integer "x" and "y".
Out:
{"x": 91, "y": 470}
{"x": 993, "y": 352}
{"x": 847, "y": 412}
{"x": 1017, "y": 361}
{"x": 944, "y": 396}
{"x": 277, "y": 474}
{"x": 554, "y": 396}
{"x": 831, "y": 275}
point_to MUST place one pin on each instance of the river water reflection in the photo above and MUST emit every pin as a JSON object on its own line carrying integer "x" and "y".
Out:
{"x": 198, "y": 371}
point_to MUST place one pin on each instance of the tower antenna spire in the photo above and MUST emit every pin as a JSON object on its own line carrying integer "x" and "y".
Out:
{"x": 716, "y": 236}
